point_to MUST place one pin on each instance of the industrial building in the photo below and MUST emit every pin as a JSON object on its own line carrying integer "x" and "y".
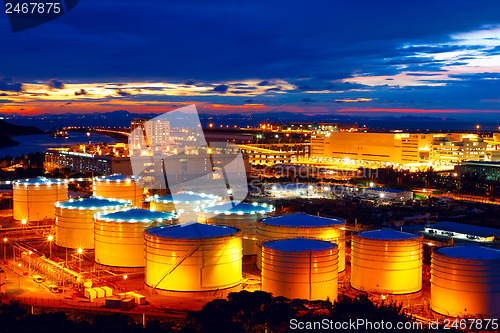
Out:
{"x": 75, "y": 220}
{"x": 484, "y": 170}
{"x": 192, "y": 259}
{"x": 119, "y": 239}
{"x": 243, "y": 216}
{"x": 304, "y": 226}
{"x": 386, "y": 262}
{"x": 300, "y": 268}
{"x": 387, "y": 194}
{"x": 465, "y": 281}
{"x": 34, "y": 199}
{"x": 118, "y": 187}
{"x": 462, "y": 231}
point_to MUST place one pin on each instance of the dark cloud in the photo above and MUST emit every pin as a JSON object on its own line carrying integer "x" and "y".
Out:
{"x": 263, "y": 83}
{"x": 274, "y": 89}
{"x": 81, "y": 92}
{"x": 308, "y": 100}
{"x": 54, "y": 84}
{"x": 122, "y": 93}
{"x": 6, "y": 84}
{"x": 222, "y": 88}
{"x": 189, "y": 82}
{"x": 249, "y": 101}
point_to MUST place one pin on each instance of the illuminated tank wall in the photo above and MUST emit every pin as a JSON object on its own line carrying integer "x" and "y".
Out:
{"x": 118, "y": 187}
{"x": 242, "y": 216}
{"x": 34, "y": 199}
{"x": 193, "y": 258}
{"x": 465, "y": 280}
{"x": 75, "y": 220}
{"x": 386, "y": 261}
{"x": 119, "y": 236}
{"x": 300, "y": 268}
{"x": 306, "y": 226}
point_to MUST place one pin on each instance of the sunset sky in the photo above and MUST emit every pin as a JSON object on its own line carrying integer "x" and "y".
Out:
{"x": 438, "y": 58}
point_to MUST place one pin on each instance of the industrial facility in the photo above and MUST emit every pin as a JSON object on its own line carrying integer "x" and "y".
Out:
{"x": 300, "y": 268}
{"x": 119, "y": 239}
{"x": 305, "y": 226}
{"x": 119, "y": 187}
{"x": 386, "y": 262}
{"x": 243, "y": 216}
{"x": 34, "y": 199}
{"x": 465, "y": 280}
{"x": 75, "y": 220}
{"x": 192, "y": 259}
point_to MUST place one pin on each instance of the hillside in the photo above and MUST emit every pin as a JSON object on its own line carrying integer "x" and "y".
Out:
{"x": 7, "y": 130}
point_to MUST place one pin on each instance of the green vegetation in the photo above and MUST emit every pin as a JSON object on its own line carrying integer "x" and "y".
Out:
{"x": 243, "y": 312}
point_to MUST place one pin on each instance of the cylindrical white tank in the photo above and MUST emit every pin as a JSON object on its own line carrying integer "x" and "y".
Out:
{"x": 187, "y": 204}
{"x": 386, "y": 262}
{"x": 304, "y": 226}
{"x": 119, "y": 236}
{"x": 34, "y": 199}
{"x": 193, "y": 258}
{"x": 75, "y": 220}
{"x": 300, "y": 268}
{"x": 465, "y": 280}
{"x": 240, "y": 215}
{"x": 118, "y": 187}
{"x": 183, "y": 202}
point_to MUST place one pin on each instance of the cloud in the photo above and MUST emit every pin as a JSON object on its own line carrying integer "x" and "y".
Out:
{"x": 263, "y": 83}
{"x": 54, "y": 84}
{"x": 122, "y": 93}
{"x": 308, "y": 100}
{"x": 81, "y": 92}
{"x": 189, "y": 82}
{"x": 222, "y": 88}
{"x": 6, "y": 84}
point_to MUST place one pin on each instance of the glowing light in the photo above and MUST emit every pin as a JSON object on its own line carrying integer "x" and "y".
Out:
{"x": 478, "y": 127}
{"x": 371, "y": 184}
{"x": 23, "y": 221}
{"x": 384, "y": 297}
{"x": 88, "y": 133}
{"x": 80, "y": 251}
{"x": 5, "y": 239}
{"x": 50, "y": 238}
{"x": 125, "y": 277}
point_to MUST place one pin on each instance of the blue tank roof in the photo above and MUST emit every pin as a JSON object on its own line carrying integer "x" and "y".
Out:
{"x": 191, "y": 231}
{"x": 137, "y": 215}
{"x": 302, "y": 221}
{"x": 39, "y": 181}
{"x": 92, "y": 203}
{"x": 387, "y": 234}
{"x": 115, "y": 177}
{"x": 470, "y": 252}
{"x": 239, "y": 208}
{"x": 186, "y": 197}
{"x": 299, "y": 245}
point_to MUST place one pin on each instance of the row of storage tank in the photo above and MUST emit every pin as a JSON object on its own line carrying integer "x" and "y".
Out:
{"x": 300, "y": 256}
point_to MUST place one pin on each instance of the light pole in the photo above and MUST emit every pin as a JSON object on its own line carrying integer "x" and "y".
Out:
{"x": 50, "y": 239}
{"x": 29, "y": 262}
{"x": 125, "y": 283}
{"x": 80, "y": 251}
{"x": 5, "y": 249}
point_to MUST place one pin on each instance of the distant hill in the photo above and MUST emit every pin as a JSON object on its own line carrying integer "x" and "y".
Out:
{"x": 7, "y": 130}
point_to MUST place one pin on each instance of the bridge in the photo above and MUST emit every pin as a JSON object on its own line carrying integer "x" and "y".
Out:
{"x": 121, "y": 134}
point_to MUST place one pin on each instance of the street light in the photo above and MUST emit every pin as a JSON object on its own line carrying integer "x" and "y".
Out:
{"x": 80, "y": 251}
{"x": 29, "y": 262}
{"x": 4, "y": 249}
{"x": 125, "y": 283}
{"x": 50, "y": 239}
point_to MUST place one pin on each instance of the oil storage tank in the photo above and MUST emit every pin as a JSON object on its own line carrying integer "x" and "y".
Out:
{"x": 75, "y": 220}
{"x": 34, "y": 199}
{"x": 465, "y": 280}
{"x": 300, "y": 268}
{"x": 118, "y": 187}
{"x": 193, "y": 258}
{"x": 119, "y": 236}
{"x": 305, "y": 226}
{"x": 243, "y": 216}
{"x": 183, "y": 202}
{"x": 386, "y": 262}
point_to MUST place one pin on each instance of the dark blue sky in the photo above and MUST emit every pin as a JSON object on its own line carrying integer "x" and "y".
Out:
{"x": 358, "y": 57}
